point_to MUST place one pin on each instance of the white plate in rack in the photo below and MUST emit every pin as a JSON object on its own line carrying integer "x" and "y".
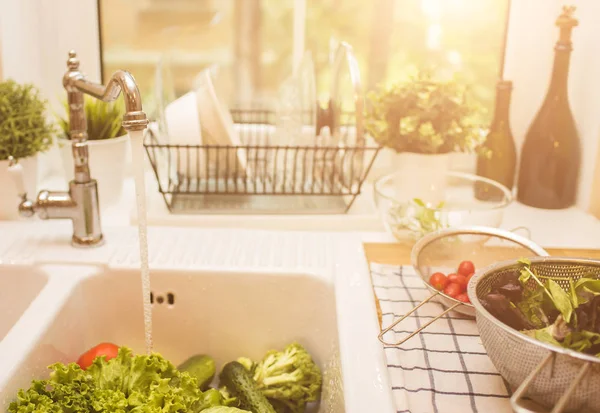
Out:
{"x": 218, "y": 127}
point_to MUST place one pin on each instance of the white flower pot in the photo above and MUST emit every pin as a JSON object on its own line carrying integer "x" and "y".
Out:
{"x": 108, "y": 165}
{"x": 419, "y": 173}
{"x": 9, "y": 198}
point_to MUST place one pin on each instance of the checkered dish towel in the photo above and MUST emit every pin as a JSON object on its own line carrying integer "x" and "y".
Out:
{"x": 445, "y": 369}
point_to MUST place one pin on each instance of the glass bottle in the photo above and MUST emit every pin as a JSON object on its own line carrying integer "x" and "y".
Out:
{"x": 500, "y": 162}
{"x": 550, "y": 158}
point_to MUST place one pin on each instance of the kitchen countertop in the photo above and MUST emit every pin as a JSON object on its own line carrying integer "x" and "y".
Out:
{"x": 568, "y": 228}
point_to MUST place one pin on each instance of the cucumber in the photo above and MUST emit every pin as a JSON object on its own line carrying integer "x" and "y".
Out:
{"x": 238, "y": 381}
{"x": 201, "y": 367}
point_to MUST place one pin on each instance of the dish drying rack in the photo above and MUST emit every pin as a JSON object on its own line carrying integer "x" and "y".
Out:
{"x": 318, "y": 178}
{"x": 318, "y": 174}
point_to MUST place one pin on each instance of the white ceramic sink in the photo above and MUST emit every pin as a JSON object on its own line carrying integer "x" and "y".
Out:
{"x": 19, "y": 285}
{"x": 225, "y": 312}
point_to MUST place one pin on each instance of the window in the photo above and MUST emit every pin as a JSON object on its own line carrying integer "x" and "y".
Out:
{"x": 391, "y": 38}
{"x": 252, "y": 41}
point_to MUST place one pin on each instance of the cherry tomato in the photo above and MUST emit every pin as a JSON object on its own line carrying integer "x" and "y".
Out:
{"x": 108, "y": 350}
{"x": 461, "y": 280}
{"x": 463, "y": 297}
{"x": 466, "y": 268}
{"x": 453, "y": 290}
{"x": 438, "y": 280}
{"x": 469, "y": 278}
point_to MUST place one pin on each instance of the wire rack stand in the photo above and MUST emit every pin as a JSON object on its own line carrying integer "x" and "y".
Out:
{"x": 258, "y": 177}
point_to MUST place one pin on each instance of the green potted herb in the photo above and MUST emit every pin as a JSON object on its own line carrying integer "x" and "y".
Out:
{"x": 108, "y": 147}
{"x": 24, "y": 132}
{"x": 420, "y": 122}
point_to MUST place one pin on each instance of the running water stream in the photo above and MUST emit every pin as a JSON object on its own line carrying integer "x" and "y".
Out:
{"x": 137, "y": 154}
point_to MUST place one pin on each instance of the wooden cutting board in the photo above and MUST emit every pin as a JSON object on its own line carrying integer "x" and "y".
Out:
{"x": 399, "y": 254}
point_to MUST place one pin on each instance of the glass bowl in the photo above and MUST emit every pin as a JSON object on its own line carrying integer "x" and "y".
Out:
{"x": 416, "y": 202}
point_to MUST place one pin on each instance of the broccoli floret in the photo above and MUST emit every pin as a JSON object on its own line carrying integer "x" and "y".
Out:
{"x": 290, "y": 377}
{"x": 247, "y": 363}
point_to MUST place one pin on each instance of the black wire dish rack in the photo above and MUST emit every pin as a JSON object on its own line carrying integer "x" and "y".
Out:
{"x": 258, "y": 177}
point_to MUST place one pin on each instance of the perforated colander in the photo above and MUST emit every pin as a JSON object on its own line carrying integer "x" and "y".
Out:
{"x": 443, "y": 250}
{"x": 554, "y": 377}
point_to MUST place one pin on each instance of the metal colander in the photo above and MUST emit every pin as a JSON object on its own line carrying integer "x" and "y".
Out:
{"x": 561, "y": 379}
{"x": 444, "y": 250}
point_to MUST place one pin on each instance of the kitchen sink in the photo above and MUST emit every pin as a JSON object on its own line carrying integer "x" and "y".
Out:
{"x": 19, "y": 285}
{"x": 281, "y": 289}
{"x": 226, "y": 314}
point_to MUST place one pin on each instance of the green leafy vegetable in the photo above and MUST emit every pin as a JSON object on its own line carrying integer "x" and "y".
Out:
{"x": 561, "y": 300}
{"x": 545, "y": 335}
{"x": 569, "y": 317}
{"x": 418, "y": 217}
{"x": 289, "y": 378}
{"x": 525, "y": 272}
{"x": 586, "y": 289}
{"x": 127, "y": 383}
{"x": 223, "y": 409}
{"x": 531, "y": 307}
{"x": 574, "y": 298}
{"x": 581, "y": 340}
{"x": 559, "y": 297}
{"x": 428, "y": 217}
{"x": 524, "y": 261}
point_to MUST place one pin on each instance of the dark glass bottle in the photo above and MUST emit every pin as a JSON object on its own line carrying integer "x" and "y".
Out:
{"x": 501, "y": 160}
{"x": 551, "y": 155}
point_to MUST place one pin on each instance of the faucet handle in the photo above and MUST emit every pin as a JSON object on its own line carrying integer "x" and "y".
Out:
{"x": 15, "y": 169}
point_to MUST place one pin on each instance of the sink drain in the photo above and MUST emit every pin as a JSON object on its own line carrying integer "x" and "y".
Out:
{"x": 168, "y": 298}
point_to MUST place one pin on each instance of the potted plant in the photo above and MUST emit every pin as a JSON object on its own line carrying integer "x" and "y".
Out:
{"x": 108, "y": 148}
{"x": 420, "y": 122}
{"x": 24, "y": 132}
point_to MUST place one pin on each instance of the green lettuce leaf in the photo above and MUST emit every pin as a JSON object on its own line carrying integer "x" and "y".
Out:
{"x": 573, "y": 294}
{"x": 127, "y": 383}
{"x": 586, "y": 289}
{"x": 531, "y": 307}
{"x": 581, "y": 340}
{"x": 561, "y": 300}
{"x": 545, "y": 335}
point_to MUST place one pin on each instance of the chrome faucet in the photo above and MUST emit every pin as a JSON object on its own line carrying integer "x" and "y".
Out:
{"x": 80, "y": 204}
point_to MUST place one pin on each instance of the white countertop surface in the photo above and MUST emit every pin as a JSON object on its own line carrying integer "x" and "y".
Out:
{"x": 569, "y": 228}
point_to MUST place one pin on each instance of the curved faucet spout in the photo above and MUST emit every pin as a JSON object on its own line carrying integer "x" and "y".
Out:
{"x": 121, "y": 81}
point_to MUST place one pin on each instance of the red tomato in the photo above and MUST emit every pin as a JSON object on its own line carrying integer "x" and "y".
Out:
{"x": 108, "y": 350}
{"x": 463, "y": 297}
{"x": 453, "y": 290}
{"x": 469, "y": 278}
{"x": 466, "y": 268}
{"x": 461, "y": 280}
{"x": 438, "y": 281}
